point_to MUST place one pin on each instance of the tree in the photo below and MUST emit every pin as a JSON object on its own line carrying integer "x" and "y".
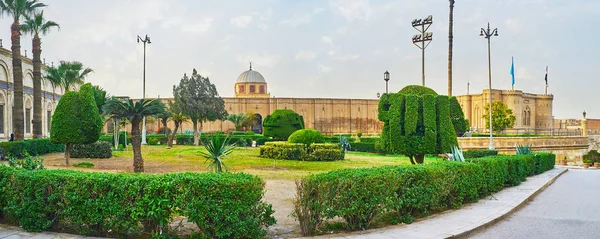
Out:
{"x": 250, "y": 121}
{"x": 450, "y": 40}
{"x": 282, "y": 123}
{"x": 134, "y": 112}
{"x": 237, "y": 120}
{"x": 73, "y": 74}
{"x": 164, "y": 119}
{"x": 76, "y": 120}
{"x": 36, "y": 25}
{"x": 53, "y": 76}
{"x": 178, "y": 118}
{"x": 18, "y": 9}
{"x": 461, "y": 125}
{"x": 416, "y": 125}
{"x": 199, "y": 100}
{"x": 99, "y": 97}
{"x": 502, "y": 116}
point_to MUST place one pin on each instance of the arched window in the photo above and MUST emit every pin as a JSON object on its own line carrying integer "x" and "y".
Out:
{"x": 526, "y": 118}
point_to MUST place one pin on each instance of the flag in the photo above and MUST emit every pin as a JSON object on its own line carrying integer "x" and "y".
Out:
{"x": 546, "y": 77}
{"x": 512, "y": 71}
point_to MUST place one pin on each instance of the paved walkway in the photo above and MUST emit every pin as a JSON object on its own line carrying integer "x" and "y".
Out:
{"x": 460, "y": 223}
{"x": 567, "y": 209}
{"x": 11, "y": 232}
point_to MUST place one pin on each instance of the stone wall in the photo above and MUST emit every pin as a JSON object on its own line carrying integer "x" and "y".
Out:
{"x": 571, "y": 147}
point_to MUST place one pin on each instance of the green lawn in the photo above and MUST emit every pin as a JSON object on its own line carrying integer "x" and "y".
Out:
{"x": 158, "y": 159}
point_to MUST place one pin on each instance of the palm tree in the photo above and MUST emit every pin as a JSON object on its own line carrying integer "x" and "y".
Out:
{"x": 450, "y": 38}
{"x": 53, "y": 76}
{"x": 237, "y": 120}
{"x": 73, "y": 74}
{"x": 134, "y": 112}
{"x": 34, "y": 26}
{"x": 18, "y": 9}
{"x": 178, "y": 119}
{"x": 217, "y": 149}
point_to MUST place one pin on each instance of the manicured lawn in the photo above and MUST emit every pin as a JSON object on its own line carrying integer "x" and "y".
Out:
{"x": 158, "y": 159}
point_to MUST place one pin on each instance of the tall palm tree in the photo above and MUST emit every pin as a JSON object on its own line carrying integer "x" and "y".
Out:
{"x": 134, "y": 112}
{"x": 35, "y": 25}
{"x": 450, "y": 39}
{"x": 237, "y": 120}
{"x": 18, "y": 9}
{"x": 74, "y": 74}
{"x": 54, "y": 77}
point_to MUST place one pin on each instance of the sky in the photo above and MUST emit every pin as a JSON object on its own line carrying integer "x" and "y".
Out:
{"x": 330, "y": 49}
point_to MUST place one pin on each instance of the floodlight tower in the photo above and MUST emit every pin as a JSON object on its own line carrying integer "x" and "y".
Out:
{"x": 422, "y": 25}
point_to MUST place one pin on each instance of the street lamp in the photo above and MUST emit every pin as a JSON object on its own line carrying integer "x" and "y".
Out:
{"x": 386, "y": 78}
{"x": 145, "y": 40}
{"x": 488, "y": 33}
{"x": 378, "y": 95}
{"x": 423, "y": 37}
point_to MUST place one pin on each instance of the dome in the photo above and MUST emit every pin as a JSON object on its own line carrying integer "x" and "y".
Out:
{"x": 250, "y": 76}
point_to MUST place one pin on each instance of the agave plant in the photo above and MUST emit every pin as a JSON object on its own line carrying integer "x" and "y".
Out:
{"x": 344, "y": 143}
{"x": 524, "y": 149}
{"x": 217, "y": 149}
{"x": 457, "y": 154}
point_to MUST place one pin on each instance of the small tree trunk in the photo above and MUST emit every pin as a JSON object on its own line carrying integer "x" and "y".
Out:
{"x": 67, "y": 153}
{"x": 196, "y": 135}
{"x": 420, "y": 158}
{"x": 170, "y": 139}
{"x": 164, "y": 122}
{"x": 411, "y": 159}
{"x": 136, "y": 143}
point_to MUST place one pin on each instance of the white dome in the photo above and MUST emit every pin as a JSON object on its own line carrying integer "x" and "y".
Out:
{"x": 250, "y": 76}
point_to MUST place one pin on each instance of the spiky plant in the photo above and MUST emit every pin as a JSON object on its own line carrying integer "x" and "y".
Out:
{"x": 217, "y": 149}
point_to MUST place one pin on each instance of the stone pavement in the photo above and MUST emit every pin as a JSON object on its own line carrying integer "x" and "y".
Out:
{"x": 468, "y": 219}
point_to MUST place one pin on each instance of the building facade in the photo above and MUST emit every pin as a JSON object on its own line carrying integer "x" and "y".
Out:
{"x": 533, "y": 112}
{"x": 50, "y": 97}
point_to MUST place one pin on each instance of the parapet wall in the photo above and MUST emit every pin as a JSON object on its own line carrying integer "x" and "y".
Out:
{"x": 571, "y": 147}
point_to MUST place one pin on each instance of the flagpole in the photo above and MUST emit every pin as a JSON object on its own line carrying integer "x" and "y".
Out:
{"x": 546, "y": 79}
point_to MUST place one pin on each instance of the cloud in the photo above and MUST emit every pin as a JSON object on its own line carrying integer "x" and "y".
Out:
{"x": 515, "y": 26}
{"x": 306, "y": 55}
{"x": 351, "y": 10}
{"x": 298, "y": 20}
{"x": 241, "y": 21}
{"x": 198, "y": 27}
{"x": 348, "y": 57}
{"x": 323, "y": 68}
{"x": 264, "y": 59}
{"x": 327, "y": 40}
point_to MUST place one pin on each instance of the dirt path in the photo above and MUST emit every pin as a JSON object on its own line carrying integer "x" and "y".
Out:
{"x": 280, "y": 194}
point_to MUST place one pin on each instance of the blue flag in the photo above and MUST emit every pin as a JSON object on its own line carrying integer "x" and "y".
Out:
{"x": 512, "y": 71}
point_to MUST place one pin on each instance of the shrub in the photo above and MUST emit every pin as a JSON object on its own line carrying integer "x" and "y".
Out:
{"x": 152, "y": 141}
{"x": 292, "y": 151}
{"x": 321, "y": 154}
{"x": 28, "y": 163}
{"x": 133, "y": 205}
{"x": 479, "y": 153}
{"x": 99, "y": 149}
{"x": 363, "y": 147}
{"x": 263, "y": 140}
{"x": 406, "y": 192}
{"x": 184, "y": 139}
{"x": 417, "y": 90}
{"x": 282, "y": 123}
{"x": 84, "y": 165}
{"x": 306, "y": 136}
{"x": 369, "y": 139}
{"x": 32, "y": 147}
{"x": 461, "y": 125}
{"x": 591, "y": 157}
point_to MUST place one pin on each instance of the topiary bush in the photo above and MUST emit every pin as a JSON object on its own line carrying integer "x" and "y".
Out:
{"x": 479, "y": 153}
{"x": 282, "y": 123}
{"x": 306, "y": 136}
{"x": 298, "y": 151}
{"x": 416, "y": 125}
{"x": 461, "y": 125}
{"x": 417, "y": 90}
{"x": 98, "y": 149}
{"x": 152, "y": 141}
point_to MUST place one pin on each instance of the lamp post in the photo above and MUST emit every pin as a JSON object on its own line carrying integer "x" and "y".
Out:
{"x": 488, "y": 33}
{"x": 386, "y": 78}
{"x": 423, "y": 37}
{"x": 145, "y": 40}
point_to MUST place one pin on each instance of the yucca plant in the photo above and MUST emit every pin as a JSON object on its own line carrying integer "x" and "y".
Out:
{"x": 217, "y": 149}
{"x": 524, "y": 149}
{"x": 457, "y": 154}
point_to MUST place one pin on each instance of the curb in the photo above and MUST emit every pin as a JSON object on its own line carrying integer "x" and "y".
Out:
{"x": 490, "y": 223}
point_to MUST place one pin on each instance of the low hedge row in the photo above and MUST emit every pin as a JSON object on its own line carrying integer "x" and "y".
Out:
{"x": 479, "y": 153}
{"x": 369, "y": 139}
{"x": 33, "y": 147}
{"x": 134, "y": 205}
{"x": 239, "y": 140}
{"x": 98, "y": 149}
{"x": 291, "y": 151}
{"x": 401, "y": 193}
{"x": 363, "y": 147}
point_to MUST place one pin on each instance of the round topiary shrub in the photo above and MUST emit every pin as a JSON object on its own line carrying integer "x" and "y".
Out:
{"x": 282, "y": 123}
{"x": 307, "y": 137}
{"x": 417, "y": 90}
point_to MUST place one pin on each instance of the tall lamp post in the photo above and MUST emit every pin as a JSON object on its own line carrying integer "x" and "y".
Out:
{"x": 422, "y": 25}
{"x": 145, "y": 40}
{"x": 488, "y": 34}
{"x": 386, "y": 78}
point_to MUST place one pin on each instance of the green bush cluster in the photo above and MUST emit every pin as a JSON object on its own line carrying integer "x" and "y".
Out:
{"x": 336, "y": 139}
{"x": 461, "y": 125}
{"x": 403, "y": 193}
{"x": 295, "y": 151}
{"x": 306, "y": 136}
{"x": 363, "y": 147}
{"x": 282, "y": 123}
{"x": 369, "y": 139}
{"x": 110, "y": 138}
{"x": 99, "y": 149}
{"x": 152, "y": 141}
{"x": 32, "y": 147}
{"x": 417, "y": 90}
{"x": 479, "y": 153}
{"x": 134, "y": 205}
{"x": 591, "y": 157}
{"x": 239, "y": 140}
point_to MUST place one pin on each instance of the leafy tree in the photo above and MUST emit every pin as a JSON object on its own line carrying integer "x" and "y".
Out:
{"x": 199, "y": 100}
{"x": 68, "y": 75}
{"x": 178, "y": 118}
{"x": 134, "y": 112}
{"x": 99, "y": 97}
{"x": 282, "y": 123}
{"x": 461, "y": 125}
{"x": 502, "y": 116}
{"x": 53, "y": 76}
{"x": 76, "y": 120}
{"x": 237, "y": 120}
{"x": 36, "y": 25}
{"x": 18, "y": 9}
{"x": 416, "y": 125}
{"x": 217, "y": 149}
{"x": 164, "y": 119}
{"x": 250, "y": 121}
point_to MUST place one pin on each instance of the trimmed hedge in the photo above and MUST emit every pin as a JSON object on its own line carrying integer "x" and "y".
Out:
{"x": 403, "y": 193}
{"x": 33, "y": 147}
{"x": 306, "y": 136}
{"x": 282, "y": 123}
{"x": 479, "y": 153}
{"x": 363, "y": 147}
{"x": 132, "y": 205}
{"x": 291, "y": 151}
{"x": 99, "y": 149}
